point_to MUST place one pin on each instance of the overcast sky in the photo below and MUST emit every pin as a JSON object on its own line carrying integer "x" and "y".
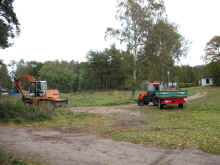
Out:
{"x": 67, "y": 30}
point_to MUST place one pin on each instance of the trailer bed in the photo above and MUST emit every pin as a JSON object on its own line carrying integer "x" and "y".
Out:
{"x": 171, "y": 97}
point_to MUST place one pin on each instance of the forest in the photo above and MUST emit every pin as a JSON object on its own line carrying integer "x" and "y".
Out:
{"x": 110, "y": 69}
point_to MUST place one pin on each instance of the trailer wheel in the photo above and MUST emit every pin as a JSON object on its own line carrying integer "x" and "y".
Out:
{"x": 160, "y": 105}
{"x": 155, "y": 101}
{"x": 180, "y": 106}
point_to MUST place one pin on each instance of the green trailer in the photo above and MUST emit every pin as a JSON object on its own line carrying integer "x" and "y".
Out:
{"x": 171, "y": 97}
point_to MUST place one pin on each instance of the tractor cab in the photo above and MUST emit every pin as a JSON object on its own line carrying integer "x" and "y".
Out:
{"x": 154, "y": 87}
{"x": 38, "y": 88}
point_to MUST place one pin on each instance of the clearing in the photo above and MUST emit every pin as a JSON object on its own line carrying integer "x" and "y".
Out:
{"x": 123, "y": 135}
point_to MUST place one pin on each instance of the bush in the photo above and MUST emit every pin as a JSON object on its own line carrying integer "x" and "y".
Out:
{"x": 13, "y": 109}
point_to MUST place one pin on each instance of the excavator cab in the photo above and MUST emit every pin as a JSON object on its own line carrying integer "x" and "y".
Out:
{"x": 38, "y": 88}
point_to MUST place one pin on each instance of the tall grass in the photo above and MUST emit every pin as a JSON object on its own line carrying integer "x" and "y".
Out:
{"x": 12, "y": 109}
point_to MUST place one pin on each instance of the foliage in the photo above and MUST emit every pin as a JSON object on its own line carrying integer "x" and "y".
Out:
{"x": 164, "y": 46}
{"x": 107, "y": 69}
{"x": 5, "y": 81}
{"x": 212, "y": 57}
{"x": 59, "y": 75}
{"x": 28, "y": 68}
{"x": 214, "y": 71}
{"x": 213, "y": 50}
{"x": 136, "y": 18}
{"x": 9, "y": 25}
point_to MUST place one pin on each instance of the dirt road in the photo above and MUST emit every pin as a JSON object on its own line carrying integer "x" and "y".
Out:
{"x": 63, "y": 146}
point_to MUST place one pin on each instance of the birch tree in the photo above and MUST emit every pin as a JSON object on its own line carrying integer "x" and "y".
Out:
{"x": 136, "y": 18}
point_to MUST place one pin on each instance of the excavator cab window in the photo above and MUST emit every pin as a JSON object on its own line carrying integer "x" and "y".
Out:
{"x": 38, "y": 88}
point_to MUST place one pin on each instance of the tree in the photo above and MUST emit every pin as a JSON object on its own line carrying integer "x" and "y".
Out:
{"x": 9, "y": 25}
{"x": 59, "y": 75}
{"x": 105, "y": 69}
{"x": 136, "y": 18}
{"x": 5, "y": 80}
{"x": 165, "y": 46}
{"x": 212, "y": 58}
{"x": 28, "y": 68}
{"x": 212, "y": 50}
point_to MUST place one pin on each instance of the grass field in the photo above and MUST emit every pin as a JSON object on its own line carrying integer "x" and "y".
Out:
{"x": 105, "y": 98}
{"x": 197, "y": 125}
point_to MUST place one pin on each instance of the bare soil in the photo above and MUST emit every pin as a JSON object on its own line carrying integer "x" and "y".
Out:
{"x": 197, "y": 96}
{"x": 63, "y": 146}
{"x": 110, "y": 110}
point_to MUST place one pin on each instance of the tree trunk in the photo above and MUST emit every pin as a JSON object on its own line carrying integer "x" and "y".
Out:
{"x": 134, "y": 84}
{"x": 134, "y": 75}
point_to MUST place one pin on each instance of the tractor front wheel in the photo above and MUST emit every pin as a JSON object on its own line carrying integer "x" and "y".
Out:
{"x": 155, "y": 101}
{"x": 140, "y": 102}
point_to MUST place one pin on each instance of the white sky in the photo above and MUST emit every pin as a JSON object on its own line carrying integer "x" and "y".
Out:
{"x": 67, "y": 30}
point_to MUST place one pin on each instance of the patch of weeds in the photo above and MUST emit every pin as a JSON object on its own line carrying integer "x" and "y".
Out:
{"x": 12, "y": 109}
{"x": 10, "y": 160}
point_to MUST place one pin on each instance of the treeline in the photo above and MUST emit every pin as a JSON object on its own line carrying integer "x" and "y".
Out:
{"x": 110, "y": 69}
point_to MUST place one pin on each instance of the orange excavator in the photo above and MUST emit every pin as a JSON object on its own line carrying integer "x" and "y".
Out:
{"x": 39, "y": 95}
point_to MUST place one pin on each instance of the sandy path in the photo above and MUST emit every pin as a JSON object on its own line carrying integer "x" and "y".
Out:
{"x": 61, "y": 147}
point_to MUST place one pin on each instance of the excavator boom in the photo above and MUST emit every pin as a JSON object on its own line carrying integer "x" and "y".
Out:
{"x": 19, "y": 80}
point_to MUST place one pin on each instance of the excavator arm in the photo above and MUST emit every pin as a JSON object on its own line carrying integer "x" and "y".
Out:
{"x": 19, "y": 80}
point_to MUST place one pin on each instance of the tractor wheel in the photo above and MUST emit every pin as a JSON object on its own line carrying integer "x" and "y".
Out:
{"x": 180, "y": 106}
{"x": 146, "y": 102}
{"x": 140, "y": 102}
